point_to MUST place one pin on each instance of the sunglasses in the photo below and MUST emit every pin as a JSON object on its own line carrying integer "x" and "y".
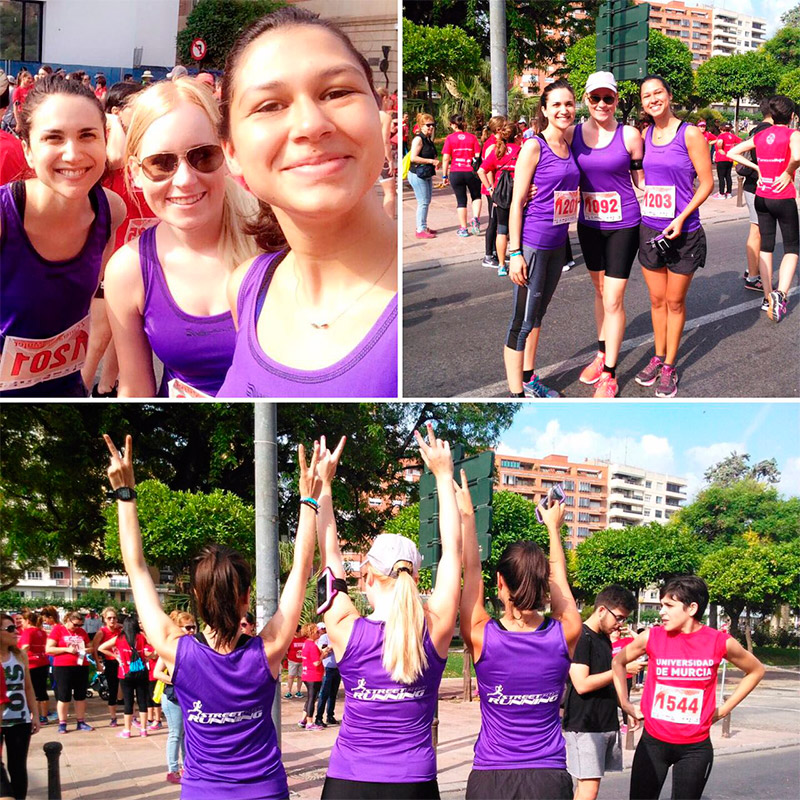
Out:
{"x": 428, "y": 125}
{"x": 189, "y": 627}
{"x": 608, "y": 99}
{"x": 10, "y": 629}
{"x": 160, "y": 166}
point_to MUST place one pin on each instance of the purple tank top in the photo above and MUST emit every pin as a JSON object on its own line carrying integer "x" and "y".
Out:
{"x": 606, "y": 170}
{"x": 196, "y": 350}
{"x": 370, "y": 370}
{"x": 386, "y": 728}
{"x": 226, "y": 701}
{"x": 40, "y": 299}
{"x": 553, "y": 175}
{"x": 670, "y": 170}
{"x": 521, "y": 678}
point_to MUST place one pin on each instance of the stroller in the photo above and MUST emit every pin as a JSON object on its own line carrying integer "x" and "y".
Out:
{"x": 97, "y": 680}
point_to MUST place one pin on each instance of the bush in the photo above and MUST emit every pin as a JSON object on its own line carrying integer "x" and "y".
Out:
{"x": 783, "y": 637}
{"x": 93, "y": 599}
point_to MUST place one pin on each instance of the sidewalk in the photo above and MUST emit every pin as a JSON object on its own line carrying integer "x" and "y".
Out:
{"x": 448, "y": 249}
{"x": 99, "y": 765}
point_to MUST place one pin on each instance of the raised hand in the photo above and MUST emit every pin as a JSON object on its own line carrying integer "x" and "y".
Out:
{"x": 120, "y": 473}
{"x": 435, "y": 454}
{"x": 463, "y": 497}
{"x": 329, "y": 461}
{"x": 554, "y": 515}
{"x": 309, "y": 483}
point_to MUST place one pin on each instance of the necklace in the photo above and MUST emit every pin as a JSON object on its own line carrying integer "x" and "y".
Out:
{"x": 324, "y": 324}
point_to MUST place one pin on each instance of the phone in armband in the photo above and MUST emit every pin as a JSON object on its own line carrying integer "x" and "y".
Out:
{"x": 555, "y": 494}
{"x": 327, "y": 589}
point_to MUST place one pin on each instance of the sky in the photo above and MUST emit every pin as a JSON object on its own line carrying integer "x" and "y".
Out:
{"x": 682, "y": 439}
{"x": 770, "y": 10}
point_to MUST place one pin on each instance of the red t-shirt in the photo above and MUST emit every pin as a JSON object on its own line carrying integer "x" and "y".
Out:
{"x": 312, "y": 662}
{"x": 679, "y": 694}
{"x": 710, "y": 137}
{"x": 491, "y": 140}
{"x": 3, "y": 695}
{"x": 100, "y": 93}
{"x": 138, "y": 216}
{"x": 505, "y": 164}
{"x": 462, "y": 147}
{"x": 12, "y": 159}
{"x": 36, "y": 639}
{"x": 20, "y": 93}
{"x": 63, "y": 637}
{"x": 728, "y": 140}
{"x": 296, "y": 649}
{"x": 773, "y": 152}
{"x": 125, "y": 654}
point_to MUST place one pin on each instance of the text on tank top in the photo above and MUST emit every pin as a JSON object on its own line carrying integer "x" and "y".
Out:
{"x": 16, "y": 711}
{"x": 462, "y": 147}
{"x": 774, "y": 153}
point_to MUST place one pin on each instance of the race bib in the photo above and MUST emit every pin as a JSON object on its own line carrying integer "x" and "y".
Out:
{"x": 181, "y": 389}
{"x": 676, "y": 704}
{"x": 137, "y": 226}
{"x": 659, "y": 201}
{"x": 26, "y": 362}
{"x": 602, "y": 207}
{"x": 565, "y": 207}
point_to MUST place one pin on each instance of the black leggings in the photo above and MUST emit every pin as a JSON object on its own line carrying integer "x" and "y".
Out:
{"x": 342, "y": 789}
{"x": 135, "y": 683}
{"x": 531, "y": 301}
{"x": 112, "y": 679}
{"x": 39, "y": 681}
{"x": 724, "y": 177}
{"x": 778, "y": 212}
{"x": 491, "y": 231}
{"x": 461, "y": 181}
{"x": 16, "y": 739}
{"x": 691, "y": 766}
{"x": 312, "y": 690}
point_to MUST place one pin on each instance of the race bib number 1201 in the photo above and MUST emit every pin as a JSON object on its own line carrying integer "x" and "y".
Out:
{"x": 565, "y": 207}
{"x": 677, "y": 704}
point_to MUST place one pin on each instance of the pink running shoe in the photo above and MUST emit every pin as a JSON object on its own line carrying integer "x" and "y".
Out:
{"x": 124, "y": 735}
{"x": 591, "y": 374}
{"x": 173, "y": 777}
{"x": 606, "y": 388}
{"x": 425, "y": 235}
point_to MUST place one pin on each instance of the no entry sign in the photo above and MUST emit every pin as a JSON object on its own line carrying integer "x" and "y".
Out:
{"x": 199, "y": 49}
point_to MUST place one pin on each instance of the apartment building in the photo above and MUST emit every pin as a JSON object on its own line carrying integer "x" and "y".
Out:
{"x": 736, "y": 33}
{"x": 637, "y": 496}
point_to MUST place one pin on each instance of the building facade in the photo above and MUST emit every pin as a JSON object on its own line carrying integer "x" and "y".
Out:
{"x": 638, "y": 496}
{"x": 737, "y": 33}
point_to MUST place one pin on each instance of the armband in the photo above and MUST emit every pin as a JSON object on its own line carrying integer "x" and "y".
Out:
{"x": 636, "y": 163}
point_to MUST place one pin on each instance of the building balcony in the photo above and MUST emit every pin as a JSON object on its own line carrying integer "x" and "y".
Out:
{"x": 623, "y": 514}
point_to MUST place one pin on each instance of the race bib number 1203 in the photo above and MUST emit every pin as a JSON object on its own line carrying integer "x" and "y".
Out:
{"x": 659, "y": 201}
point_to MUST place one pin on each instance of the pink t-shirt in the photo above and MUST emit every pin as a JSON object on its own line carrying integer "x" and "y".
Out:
{"x": 296, "y": 650}
{"x": 505, "y": 164}
{"x": 63, "y": 637}
{"x": 462, "y": 147}
{"x": 728, "y": 140}
{"x": 774, "y": 154}
{"x": 312, "y": 662}
{"x": 36, "y": 639}
{"x": 618, "y": 645}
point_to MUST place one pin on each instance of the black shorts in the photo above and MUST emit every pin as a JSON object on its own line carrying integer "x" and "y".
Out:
{"x": 461, "y": 181}
{"x": 519, "y": 784}
{"x": 341, "y": 789}
{"x": 71, "y": 683}
{"x": 609, "y": 251}
{"x": 689, "y": 251}
{"x": 39, "y": 681}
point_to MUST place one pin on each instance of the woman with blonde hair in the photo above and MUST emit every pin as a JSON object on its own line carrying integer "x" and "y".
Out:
{"x": 165, "y": 290}
{"x": 424, "y": 164}
{"x": 391, "y": 662}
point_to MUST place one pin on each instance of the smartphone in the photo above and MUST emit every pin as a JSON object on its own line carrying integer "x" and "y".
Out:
{"x": 555, "y": 494}
{"x": 325, "y": 590}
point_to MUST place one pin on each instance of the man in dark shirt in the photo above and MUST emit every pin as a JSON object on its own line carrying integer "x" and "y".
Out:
{"x": 591, "y": 723}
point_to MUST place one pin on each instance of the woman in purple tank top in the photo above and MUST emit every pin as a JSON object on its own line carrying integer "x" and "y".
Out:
{"x": 317, "y": 314}
{"x": 672, "y": 243}
{"x": 57, "y": 232}
{"x": 225, "y": 685}
{"x": 391, "y": 662}
{"x": 521, "y": 663}
{"x": 166, "y": 289}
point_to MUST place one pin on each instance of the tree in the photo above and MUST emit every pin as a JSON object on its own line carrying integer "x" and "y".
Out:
{"x": 784, "y": 47}
{"x": 790, "y": 85}
{"x": 723, "y": 78}
{"x": 734, "y": 468}
{"x": 667, "y": 57}
{"x": 792, "y": 16}
{"x": 634, "y": 557}
{"x": 219, "y": 23}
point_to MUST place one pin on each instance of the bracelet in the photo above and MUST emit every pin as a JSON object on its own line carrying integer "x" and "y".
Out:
{"x": 311, "y": 503}
{"x": 515, "y": 253}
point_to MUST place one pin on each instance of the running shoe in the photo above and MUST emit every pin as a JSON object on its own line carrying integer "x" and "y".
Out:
{"x": 143, "y": 732}
{"x": 53, "y": 716}
{"x": 113, "y": 724}
{"x": 314, "y": 727}
{"x": 83, "y": 726}
{"x": 425, "y": 235}
{"x": 490, "y": 261}
{"x": 667, "y": 382}
{"x": 568, "y": 266}
{"x": 331, "y": 721}
{"x": 173, "y": 777}
{"x": 717, "y": 196}
{"x": 43, "y": 720}
{"x": 753, "y": 284}
{"x": 298, "y": 694}
{"x": 502, "y": 271}
{"x": 155, "y": 726}
{"x": 462, "y": 232}
{"x": 777, "y": 306}
{"x": 301, "y": 724}
{"x": 591, "y": 373}
{"x": 606, "y": 388}
{"x": 62, "y": 727}
{"x": 728, "y": 196}
{"x": 765, "y": 304}
{"x": 649, "y": 375}
{"x": 475, "y": 226}
{"x": 124, "y": 735}
{"x": 288, "y": 695}
{"x": 535, "y": 388}
{"x": 320, "y": 723}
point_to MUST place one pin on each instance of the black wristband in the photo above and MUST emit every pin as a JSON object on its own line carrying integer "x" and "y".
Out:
{"x": 636, "y": 163}
{"x": 340, "y": 584}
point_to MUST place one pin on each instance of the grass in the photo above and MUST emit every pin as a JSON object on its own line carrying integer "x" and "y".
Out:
{"x": 776, "y": 656}
{"x": 455, "y": 665}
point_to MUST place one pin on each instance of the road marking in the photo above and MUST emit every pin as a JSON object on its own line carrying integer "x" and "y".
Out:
{"x": 501, "y": 387}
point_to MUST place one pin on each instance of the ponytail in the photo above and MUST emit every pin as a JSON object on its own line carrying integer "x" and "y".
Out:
{"x": 504, "y": 135}
{"x": 404, "y": 656}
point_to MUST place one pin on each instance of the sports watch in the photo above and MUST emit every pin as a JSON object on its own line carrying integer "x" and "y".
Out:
{"x": 124, "y": 493}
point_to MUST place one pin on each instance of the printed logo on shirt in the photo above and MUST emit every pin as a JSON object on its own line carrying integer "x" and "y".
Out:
{"x": 363, "y": 692}
{"x": 688, "y": 669}
{"x": 770, "y": 138}
{"x": 222, "y": 718}
{"x": 498, "y": 698}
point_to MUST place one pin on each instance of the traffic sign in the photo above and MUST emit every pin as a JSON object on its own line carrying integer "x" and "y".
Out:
{"x": 622, "y": 39}
{"x": 199, "y": 49}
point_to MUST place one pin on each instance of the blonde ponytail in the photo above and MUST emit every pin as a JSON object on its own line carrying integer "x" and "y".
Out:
{"x": 404, "y": 656}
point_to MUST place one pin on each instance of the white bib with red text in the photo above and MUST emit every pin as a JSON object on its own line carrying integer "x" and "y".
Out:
{"x": 181, "y": 389}
{"x": 602, "y": 207}
{"x": 677, "y": 704}
{"x": 659, "y": 201}
{"x": 565, "y": 207}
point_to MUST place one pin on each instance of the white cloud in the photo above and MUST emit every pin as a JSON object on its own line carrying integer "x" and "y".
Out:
{"x": 790, "y": 478}
{"x": 701, "y": 458}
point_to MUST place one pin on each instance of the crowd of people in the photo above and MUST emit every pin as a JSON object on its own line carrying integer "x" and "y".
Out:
{"x": 633, "y": 190}
{"x": 230, "y": 231}
{"x": 218, "y": 685}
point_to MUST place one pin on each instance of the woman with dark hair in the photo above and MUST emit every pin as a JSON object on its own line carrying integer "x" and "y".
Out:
{"x": 488, "y": 141}
{"x": 57, "y": 232}
{"x": 225, "y": 692}
{"x": 538, "y": 232}
{"x": 459, "y": 149}
{"x": 131, "y": 651}
{"x": 317, "y": 313}
{"x": 521, "y": 662}
{"x": 778, "y": 153}
{"x": 68, "y": 644}
{"x": 723, "y": 143}
{"x": 33, "y": 642}
{"x": 106, "y": 662}
{"x": 672, "y": 243}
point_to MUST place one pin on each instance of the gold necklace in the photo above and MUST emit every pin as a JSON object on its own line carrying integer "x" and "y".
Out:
{"x": 322, "y": 325}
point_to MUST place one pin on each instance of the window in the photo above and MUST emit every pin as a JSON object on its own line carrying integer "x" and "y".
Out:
{"x": 569, "y": 486}
{"x": 648, "y": 484}
{"x": 509, "y": 464}
{"x": 58, "y": 574}
{"x": 659, "y": 500}
{"x": 21, "y": 30}
{"x": 33, "y": 575}
{"x": 569, "y": 501}
{"x": 569, "y": 516}
{"x": 659, "y": 515}
{"x": 583, "y": 517}
{"x": 509, "y": 480}
{"x": 585, "y": 486}
{"x": 583, "y": 531}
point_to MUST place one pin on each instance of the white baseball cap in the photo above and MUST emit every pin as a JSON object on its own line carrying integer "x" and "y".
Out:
{"x": 178, "y": 71}
{"x": 601, "y": 80}
{"x": 388, "y": 549}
